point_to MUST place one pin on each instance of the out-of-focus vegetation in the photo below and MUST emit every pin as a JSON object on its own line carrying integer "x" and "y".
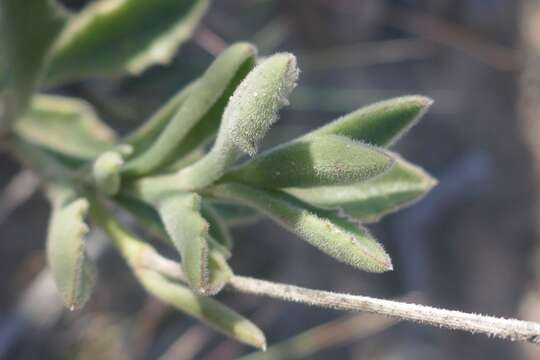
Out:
{"x": 463, "y": 247}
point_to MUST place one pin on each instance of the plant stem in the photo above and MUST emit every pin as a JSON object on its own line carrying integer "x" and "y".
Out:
{"x": 194, "y": 177}
{"x": 509, "y": 329}
{"x": 141, "y": 254}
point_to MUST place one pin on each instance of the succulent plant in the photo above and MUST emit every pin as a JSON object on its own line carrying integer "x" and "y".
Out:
{"x": 322, "y": 186}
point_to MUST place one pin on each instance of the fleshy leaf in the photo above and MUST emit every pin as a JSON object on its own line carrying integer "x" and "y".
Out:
{"x": 144, "y": 135}
{"x": 250, "y": 112}
{"x": 116, "y": 36}
{"x": 218, "y": 228}
{"x": 204, "y": 105}
{"x": 369, "y": 201}
{"x": 235, "y": 215}
{"x": 65, "y": 126}
{"x": 150, "y": 218}
{"x": 254, "y": 106}
{"x": 106, "y": 172}
{"x": 218, "y": 271}
{"x": 206, "y": 309}
{"x": 379, "y": 124}
{"x": 332, "y": 235}
{"x": 27, "y": 32}
{"x": 73, "y": 271}
{"x": 318, "y": 160}
{"x": 180, "y": 213}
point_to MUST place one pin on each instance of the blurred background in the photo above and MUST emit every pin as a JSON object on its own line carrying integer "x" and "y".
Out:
{"x": 471, "y": 244}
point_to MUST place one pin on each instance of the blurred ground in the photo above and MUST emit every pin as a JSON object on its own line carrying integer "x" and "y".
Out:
{"x": 468, "y": 245}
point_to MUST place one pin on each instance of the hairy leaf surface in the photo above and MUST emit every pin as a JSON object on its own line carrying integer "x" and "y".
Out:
{"x": 369, "y": 201}
{"x": 188, "y": 230}
{"x": 380, "y": 124}
{"x": 73, "y": 271}
{"x": 318, "y": 160}
{"x": 210, "y": 311}
{"x": 334, "y": 236}
{"x": 204, "y": 104}
{"x": 65, "y": 126}
{"x": 117, "y": 36}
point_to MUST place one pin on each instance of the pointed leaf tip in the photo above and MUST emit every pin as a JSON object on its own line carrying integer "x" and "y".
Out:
{"x": 314, "y": 161}
{"x": 205, "y": 267}
{"x": 380, "y": 124}
{"x": 254, "y": 106}
{"x": 207, "y": 309}
{"x": 337, "y": 237}
{"x": 369, "y": 201}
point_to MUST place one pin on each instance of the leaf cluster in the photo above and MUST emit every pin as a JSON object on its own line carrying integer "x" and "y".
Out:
{"x": 192, "y": 169}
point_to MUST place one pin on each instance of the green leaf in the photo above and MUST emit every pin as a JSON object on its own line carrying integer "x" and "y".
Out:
{"x": 206, "y": 309}
{"x": 117, "y": 36}
{"x": 315, "y": 161}
{"x": 254, "y": 106}
{"x": 219, "y": 271}
{"x": 236, "y": 215}
{"x": 203, "y": 105}
{"x": 27, "y": 30}
{"x": 369, "y": 201}
{"x": 151, "y": 220}
{"x": 180, "y": 213}
{"x": 249, "y": 113}
{"x": 379, "y": 124}
{"x": 332, "y": 235}
{"x": 205, "y": 130}
{"x": 73, "y": 271}
{"x": 218, "y": 228}
{"x": 65, "y": 126}
{"x": 142, "y": 137}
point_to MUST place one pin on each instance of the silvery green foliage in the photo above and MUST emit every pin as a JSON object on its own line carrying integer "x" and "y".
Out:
{"x": 314, "y": 161}
{"x": 25, "y": 42}
{"x": 320, "y": 186}
{"x": 103, "y": 24}
{"x": 206, "y": 309}
{"x": 203, "y": 103}
{"x": 72, "y": 269}
{"x": 254, "y": 106}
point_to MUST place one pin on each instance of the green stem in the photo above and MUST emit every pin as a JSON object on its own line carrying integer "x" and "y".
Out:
{"x": 195, "y": 177}
{"x": 128, "y": 245}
